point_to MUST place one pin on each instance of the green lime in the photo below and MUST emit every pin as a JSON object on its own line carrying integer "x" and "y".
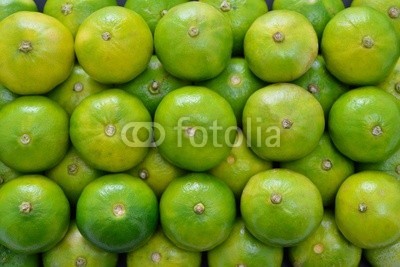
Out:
{"x": 391, "y": 83}
{"x": 160, "y": 251}
{"x": 75, "y": 250}
{"x": 197, "y": 211}
{"x": 390, "y": 165}
{"x": 367, "y": 202}
{"x": 9, "y": 258}
{"x": 8, "y": 7}
{"x": 35, "y": 214}
{"x": 117, "y": 212}
{"x": 6, "y": 96}
{"x": 281, "y": 207}
{"x": 388, "y": 256}
{"x": 325, "y": 166}
{"x": 7, "y": 174}
{"x": 283, "y": 122}
{"x": 242, "y": 249}
{"x": 325, "y": 247}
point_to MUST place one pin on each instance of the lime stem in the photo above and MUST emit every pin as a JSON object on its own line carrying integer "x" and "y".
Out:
{"x": 278, "y": 37}
{"x": 25, "y": 46}
{"x": 72, "y": 169}
{"x": 143, "y": 174}
{"x": 276, "y": 198}
{"x": 80, "y": 262}
{"x": 25, "y": 139}
{"x": 235, "y": 80}
{"x": 106, "y": 36}
{"x": 230, "y": 159}
{"x": 377, "y": 131}
{"x": 313, "y": 88}
{"x": 156, "y": 257}
{"x": 362, "y": 207}
{"x": 326, "y": 164}
{"x": 199, "y": 208}
{"x": 154, "y": 87}
{"x": 193, "y": 31}
{"x": 25, "y": 207}
{"x": 394, "y": 12}
{"x": 163, "y": 12}
{"x": 318, "y": 248}
{"x": 119, "y": 210}
{"x": 397, "y": 87}
{"x": 78, "y": 87}
{"x": 225, "y": 6}
{"x": 110, "y": 130}
{"x": 287, "y": 124}
{"x": 66, "y": 9}
{"x": 368, "y": 42}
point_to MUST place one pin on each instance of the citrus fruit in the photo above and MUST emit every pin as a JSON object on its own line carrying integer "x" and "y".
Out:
{"x": 75, "y": 250}
{"x": 388, "y": 256}
{"x": 325, "y": 166}
{"x": 239, "y": 166}
{"x": 152, "y": 11}
{"x": 367, "y": 202}
{"x": 72, "y": 174}
{"x": 390, "y": 165}
{"x": 153, "y": 84}
{"x": 35, "y": 214}
{"x": 325, "y": 247}
{"x": 8, "y": 7}
{"x": 7, "y": 174}
{"x": 72, "y": 13}
{"x": 321, "y": 84}
{"x": 318, "y": 12}
{"x": 391, "y": 83}
{"x": 196, "y": 128}
{"x": 243, "y": 249}
{"x": 280, "y": 46}
{"x": 10, "y": 258}
{"x": 160, "y": 251}
{"x": 75, "y": 88}
{"x": 193, "y": 41}
{"x": 34, "y": 134}
{"x": 197, "y": 211}
{"x": 241, "y": 15}
{"x": 364, "y": 124}
{"x": 236, "y": 83}
{"x": 281, "y": 207}
{"x": 360, "y": 46}
{"x": 37, "y": 52}
{"x": 156, "y": 171}
{"x": 118, "y": 40}
{"x": 391, "y": 8}
{"x": 6, "y": 96}
{"x": 283, "y": 122}
{"x": 111, "y": 130}
{"x": 117, "y": 212}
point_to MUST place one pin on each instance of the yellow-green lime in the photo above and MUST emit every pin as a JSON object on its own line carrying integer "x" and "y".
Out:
{"x": 35, "y": 214}
{"x": 242, "y": 249}
{"x": 280, "y": 46}
{"x": 8, "y": 7}
{"x": 367, "y": 202}
{"x": 195, "y": 128}
{"x": 153, "y": 84}
{"x": 236, "y": 83}
{"x": 75, "y": 250}
{"x": 197, "y": 211}
{"x": 325, "y": 166}
{"x": 283, "y": 122}
{"x": 160, "y": 251}
{"x": 388, "y": 256}
{"x": 111, "y": 130}
{"x": 364, "y": 124}
{"x": 7, "y": 174}
{"x": 391, "y": 83}
{"x": 325, "y": 247}
{"x": 193, "y": 41}
{"x": 117, "y": 212}
{"x": 390, "y": 165}
{"x": 281, "y": 207}
{"x": 33, "y": 134}
{"x": 6, "y": 96}
{"x": 72, "y": 174}
{"x": 75, "y": 88}
{"x": 360, "y": 46}
{"x": 239, "y": 166}
{"x": 241, "y": 15}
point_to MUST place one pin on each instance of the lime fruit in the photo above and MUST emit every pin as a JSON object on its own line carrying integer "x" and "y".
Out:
{"x": 117, "y": 212}
{"x": 278, "y": 118}
{"x": 37, "y": 52}
{"x": 390, "y": 165}
{"x": 236, "y": 83}
{"x": 391, "y": 83}
{"x": 364, "y": 124}
{"x": 241, "y": 15}
{"x": 7, "y": 174}
{"x": 118, "y": 40}
{"x": 242, "y": 249}
{"x": 367, "y": 202}
{"x": 160, "y": 251}
{"x": 196, "y": 128}
{"x": 280, "y": 46}
{"x": 153, "y": 84}
{"x": 111, "y": 130}
{"x": 8, "y": 7}
{"x": 6, "y": 96}
{"x": 9, "y": 258}
{"x": 197, "y": 211}
{"x": 75, "y": 88}
{"x": 360, "y": 46}
{"x": 193, "y": 41}
{"x": 388, "y": 256}
{"x": 72, "y": 174}
{"x": 281, "y": 207}
{"x": 35, "y": 214}
{"x": 325, "y": 166}
{"x": 34, "y": 134}
{"x": 75, "y": 250}
{"x": 325, "y": 247}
